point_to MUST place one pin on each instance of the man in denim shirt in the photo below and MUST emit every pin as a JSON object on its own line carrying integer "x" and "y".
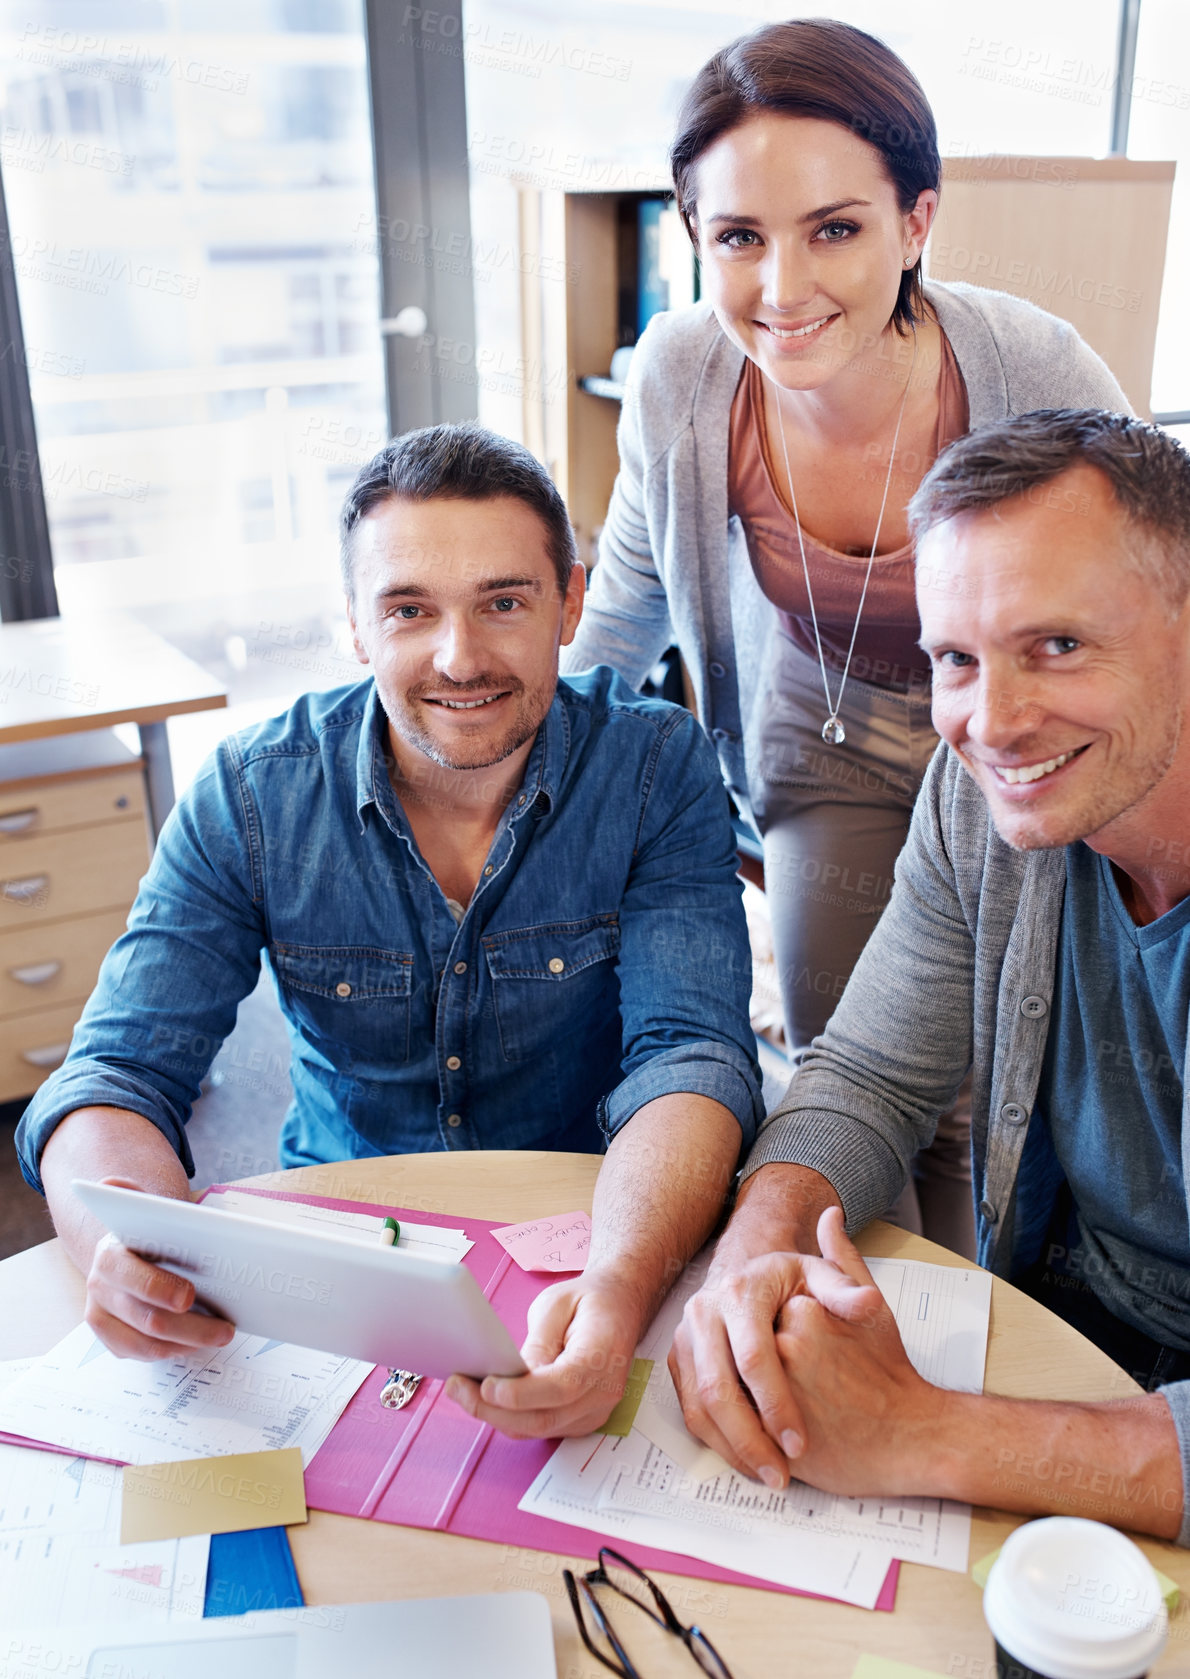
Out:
{"x": 1038, "y": 933}
{"x": 501, "y": 912}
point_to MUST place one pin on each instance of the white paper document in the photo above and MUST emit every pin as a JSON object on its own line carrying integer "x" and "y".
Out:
{"x": 662, "y": 1487}
{"x": 573, "y": 1485}
{"x": 428, "y": 1241}
{"x": 928, "y": 1530}
{"x": 252, "y": 1395}
{"x": 943, "y": 1313}
{"x": 11, "y": 1368}
{"x": 60, "y": 1553}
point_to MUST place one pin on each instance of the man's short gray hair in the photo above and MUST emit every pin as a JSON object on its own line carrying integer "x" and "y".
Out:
{"x": 1147, "y": 469}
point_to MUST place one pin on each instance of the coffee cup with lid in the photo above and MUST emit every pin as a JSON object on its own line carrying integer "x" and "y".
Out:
{"x": 1073, "y": 1599}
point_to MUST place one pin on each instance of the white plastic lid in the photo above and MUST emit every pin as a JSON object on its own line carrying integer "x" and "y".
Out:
{"x": 1076, "y": 1600}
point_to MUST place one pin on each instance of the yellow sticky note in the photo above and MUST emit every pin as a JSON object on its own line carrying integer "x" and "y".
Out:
{"x": 878, "y": 1667}
{"x": 622, "y": 1418}
{"x": 213, "y": 1495}
{"x": 981, "y": 1569}
{"x": 1169, "y": 1590}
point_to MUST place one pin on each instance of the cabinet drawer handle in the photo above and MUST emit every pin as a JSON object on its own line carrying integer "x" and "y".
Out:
{"x": 37, "y": 973}
{"x": 26, "y": 890}
{"x": 51, "y": 1055}
{"x": 19, "y": 821}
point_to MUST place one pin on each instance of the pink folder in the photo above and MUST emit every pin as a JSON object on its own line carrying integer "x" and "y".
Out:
{"x": 430, "y": 1465}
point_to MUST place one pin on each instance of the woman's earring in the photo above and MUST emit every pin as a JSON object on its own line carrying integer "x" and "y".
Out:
{"x": 909, "y": 262}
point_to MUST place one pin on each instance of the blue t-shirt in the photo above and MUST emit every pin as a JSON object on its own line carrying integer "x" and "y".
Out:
{"x": 1111, "y": 1093}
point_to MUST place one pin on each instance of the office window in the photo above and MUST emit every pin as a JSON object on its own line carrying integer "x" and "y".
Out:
{"x": 1160, "y": 128}
{"x": 190, "y": 191}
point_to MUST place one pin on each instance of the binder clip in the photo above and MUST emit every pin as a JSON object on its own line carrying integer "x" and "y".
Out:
{"x": 399, "y": 1389}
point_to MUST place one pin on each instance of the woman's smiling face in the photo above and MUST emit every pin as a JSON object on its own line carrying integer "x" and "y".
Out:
{"x": 802, "y": 243}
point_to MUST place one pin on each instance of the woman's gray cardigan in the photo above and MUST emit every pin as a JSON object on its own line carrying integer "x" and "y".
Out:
{"x": 673, "y": 566}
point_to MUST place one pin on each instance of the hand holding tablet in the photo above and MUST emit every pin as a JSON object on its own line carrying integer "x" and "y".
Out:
{"x": 315, "y": 1289}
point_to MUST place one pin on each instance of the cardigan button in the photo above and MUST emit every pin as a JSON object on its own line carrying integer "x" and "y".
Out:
{"x": 1013, "y": 1113}
{"x": 716, "y": 669}
{"x": 988, "y": 1211}
{"x": 1034, "y": 1007}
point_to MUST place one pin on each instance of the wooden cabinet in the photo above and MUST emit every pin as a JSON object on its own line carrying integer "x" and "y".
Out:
{"x": 74, "y": 843}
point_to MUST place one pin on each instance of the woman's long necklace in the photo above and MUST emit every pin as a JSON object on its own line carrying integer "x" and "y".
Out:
{"x": 833, "y": 731}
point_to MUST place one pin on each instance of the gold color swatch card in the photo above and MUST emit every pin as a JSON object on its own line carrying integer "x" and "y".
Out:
{"x": 213, "y": 1495}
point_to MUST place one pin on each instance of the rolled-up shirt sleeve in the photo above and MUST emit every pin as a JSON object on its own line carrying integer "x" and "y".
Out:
{"x": 685, "y": 963}
{"x": 169, "y": 987}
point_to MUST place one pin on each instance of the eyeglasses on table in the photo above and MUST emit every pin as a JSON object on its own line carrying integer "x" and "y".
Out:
{"x": 630, "y": 1583}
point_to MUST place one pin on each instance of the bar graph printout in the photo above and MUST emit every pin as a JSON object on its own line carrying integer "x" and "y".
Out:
{"x": 61, "y": 1559}
{"x": 661, "y": 1487}
{"x": 252, "y": 1395}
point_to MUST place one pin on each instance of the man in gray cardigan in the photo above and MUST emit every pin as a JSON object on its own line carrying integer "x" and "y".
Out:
{"x": 1038, "y": 933}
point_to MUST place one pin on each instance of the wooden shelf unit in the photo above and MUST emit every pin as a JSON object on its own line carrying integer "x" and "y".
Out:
{"x": 577, "y": 266}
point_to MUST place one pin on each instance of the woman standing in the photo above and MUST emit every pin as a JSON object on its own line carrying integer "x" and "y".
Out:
{"x": 771, "y": 439}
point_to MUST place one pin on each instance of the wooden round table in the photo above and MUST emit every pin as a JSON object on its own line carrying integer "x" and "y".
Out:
{"x": 938, "y": 1622}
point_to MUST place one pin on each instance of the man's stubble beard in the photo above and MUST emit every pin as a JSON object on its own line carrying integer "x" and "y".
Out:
{"x": 520, "y": 731}
{"x": 1103, "y": 806}
{"x": 518, "y": 734}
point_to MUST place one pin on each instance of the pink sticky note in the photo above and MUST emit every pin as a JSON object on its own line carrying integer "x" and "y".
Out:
{"x": 560, "y": 1243}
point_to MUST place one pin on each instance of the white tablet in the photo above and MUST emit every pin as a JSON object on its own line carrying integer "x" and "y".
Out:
{"x": 501, "y": 1635}
{"x": 314, "y": 1288}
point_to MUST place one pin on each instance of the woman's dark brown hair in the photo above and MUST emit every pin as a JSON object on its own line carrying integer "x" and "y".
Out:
{"x": 815, "y": 67}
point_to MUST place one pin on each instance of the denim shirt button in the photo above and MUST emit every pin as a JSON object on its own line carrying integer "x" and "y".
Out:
{"x": 988, "y": 1211}
{"x": 717, "y": 669}
{"x": 342, "y": 989}
{"x": 460, "y": 967}
{"x": 454, "y": 1121}
{"x": 556, "y": 964}
{"x": 1013, "y": 1113}
{"x": 1034, "y": 1007}
{"x": 453, "y": 1063}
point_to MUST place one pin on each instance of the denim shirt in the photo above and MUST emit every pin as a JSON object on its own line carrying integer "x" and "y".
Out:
{"x": 603, "y": 960}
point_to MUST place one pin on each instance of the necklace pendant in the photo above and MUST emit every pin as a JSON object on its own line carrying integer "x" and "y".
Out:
{"x": 833, "y": 732}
